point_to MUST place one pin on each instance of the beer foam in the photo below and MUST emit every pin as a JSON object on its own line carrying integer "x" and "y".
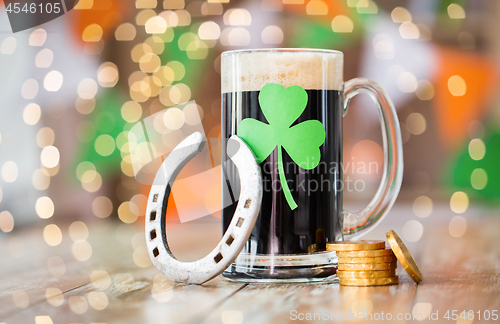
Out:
{"x": 250, "y": 71}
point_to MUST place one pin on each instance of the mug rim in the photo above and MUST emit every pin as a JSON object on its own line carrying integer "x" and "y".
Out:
{"x": 283, "y": 50}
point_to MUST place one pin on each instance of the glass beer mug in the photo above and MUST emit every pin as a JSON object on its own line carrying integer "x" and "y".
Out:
{"x": 287, "y": 105}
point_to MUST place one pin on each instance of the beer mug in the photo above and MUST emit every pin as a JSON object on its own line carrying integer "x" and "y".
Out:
{"x": 287, "y": 105}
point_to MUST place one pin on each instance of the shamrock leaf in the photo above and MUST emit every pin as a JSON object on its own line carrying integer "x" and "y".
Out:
{"x": 282, "y": 107}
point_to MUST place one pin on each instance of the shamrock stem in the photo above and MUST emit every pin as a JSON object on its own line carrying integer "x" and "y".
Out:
{"x": 284, "y": 184}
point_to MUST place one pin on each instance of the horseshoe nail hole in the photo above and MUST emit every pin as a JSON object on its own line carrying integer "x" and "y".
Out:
{"x": 153, "y": 234}
{"x": 152, "y": 216}
{"x": 218, "y": 257}
{"x": 155, "y": 198}
{"x": 247, "y": 203}
{"x": 156, "y": 252}
{"x": 240, "y": 222}
{"x": 230, "y": 240}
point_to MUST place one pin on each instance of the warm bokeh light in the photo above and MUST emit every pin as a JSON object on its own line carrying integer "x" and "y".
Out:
{"x": 342, "y": 24}
{"x": 458, "y": 226}
{"x": 37, "y": 37}
{"x": 413, "y": 230}
{"x": 401, "y": 15}
{"x": 32, "y": 114}
{"x": 479, "y": 179}
{"x": 82, "y": 251}
{"x": 44, "y": 58}
{"x": 102, "y": 207}
{"x": 125, "y": 32}
{"x": 52, "y": 235}
{"x": 425, "y": 90}
{"x": 9, "y": 171}
{"x": 456, "y": 11}
{"x": 53, "y": 81}
{"x": 317, "y": 8}
{"x": 87, "y": 89}
{"x": 272, "y": 35}
{"x": 56, "y": 266}
{"x": 409, "y": 30}
{"x": 100, "y": 279}
{"x": 422, "y": 206}
{"x": 423, "y": 310}
{"x": 459, "y": 202}
{"x": 477, "y": 149}
{"x": 457, "y": 86}
{"x": 362, "y": 306}
{"x": 78, "y": 231}
{"x": 54, "y": 296}
{"x": 78, "y": 304}
{"x": 92, "y": 33}
{"x": 6, "y": 221}
{"x": 20, "y": 298}
{"x": 416, "y": 124}
{"x": 49, "y": 156}
{"x": 44, "y": 207}
{"x": 29, "y": 90}
{"x": 107, "y": 74}
{"x": 407, "y": 82}
{"x": 156, "y": 25}
{"x": 98, "y": 300}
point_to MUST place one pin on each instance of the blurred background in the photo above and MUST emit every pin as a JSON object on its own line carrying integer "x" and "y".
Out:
{"x": 72, "y": 89}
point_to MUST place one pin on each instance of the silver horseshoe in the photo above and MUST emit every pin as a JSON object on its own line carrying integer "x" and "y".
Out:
{"x": 238, "y": 232}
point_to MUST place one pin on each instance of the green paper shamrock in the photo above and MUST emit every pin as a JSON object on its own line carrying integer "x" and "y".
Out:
{"x": 282, "y": 107}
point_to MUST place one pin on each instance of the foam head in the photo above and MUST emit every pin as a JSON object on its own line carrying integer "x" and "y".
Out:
{"x": 251, "y": 70}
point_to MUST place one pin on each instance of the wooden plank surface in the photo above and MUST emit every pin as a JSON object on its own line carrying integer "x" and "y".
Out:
{"x": 460, "y": 274}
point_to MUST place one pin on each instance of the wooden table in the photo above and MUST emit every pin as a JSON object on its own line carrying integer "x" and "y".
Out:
{"x": 460, "y": 274}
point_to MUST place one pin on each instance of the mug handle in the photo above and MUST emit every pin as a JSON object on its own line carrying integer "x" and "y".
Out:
{"x": 358, "y": 224}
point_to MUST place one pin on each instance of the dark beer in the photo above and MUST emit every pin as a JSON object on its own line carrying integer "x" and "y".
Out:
{"x": 280, "y": 230}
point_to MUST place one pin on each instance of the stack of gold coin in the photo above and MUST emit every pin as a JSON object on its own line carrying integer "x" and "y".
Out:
{"x": 370, "y": 263}
{"x": 364, "y": 263}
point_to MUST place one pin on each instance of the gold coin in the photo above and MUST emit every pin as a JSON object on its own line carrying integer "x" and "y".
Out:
{"x": 404, "y": 256}
{"x": 355, "y": 245}
{"x": 365, "y": 254}
{"x": 370, "y": 282}
{"x": 366, "y": 267}
{"x": 366, "y": 274}
{"x": 382, "y": 259}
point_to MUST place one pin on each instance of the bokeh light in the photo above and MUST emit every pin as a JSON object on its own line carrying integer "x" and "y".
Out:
{"x": 9, "y": 171}
{"x": 53, "y": 81}
{"x": 20, "y": 298}
{"x": 78, "y": 304}
{"x": 6, "y": 221}
{"x": 44, "y": 207}
{"x": 458, "y": 226}
{"x": 422, "y": 206}
{"x": 92, "y": 33}
{"x": 416, "y": 124}
{"x": 459, "y": 202}
{"x": 32, "y": 114}
{"x": 82, "y": 251}
{"x": 342, "y": 24}
{"x": 479, "y": 179}
{"x": 54, "y": 296}
{"x": 102, "y": 207}
{"x": 457, "y": 86}
{"x": 456, "y": 11}
{"x": 413, "y": 230}
{"x": 477, "y": 149}
{"x": 8, "y": 46}
{"x": 44, "y": 58}
{"x": 52, "y": 235}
